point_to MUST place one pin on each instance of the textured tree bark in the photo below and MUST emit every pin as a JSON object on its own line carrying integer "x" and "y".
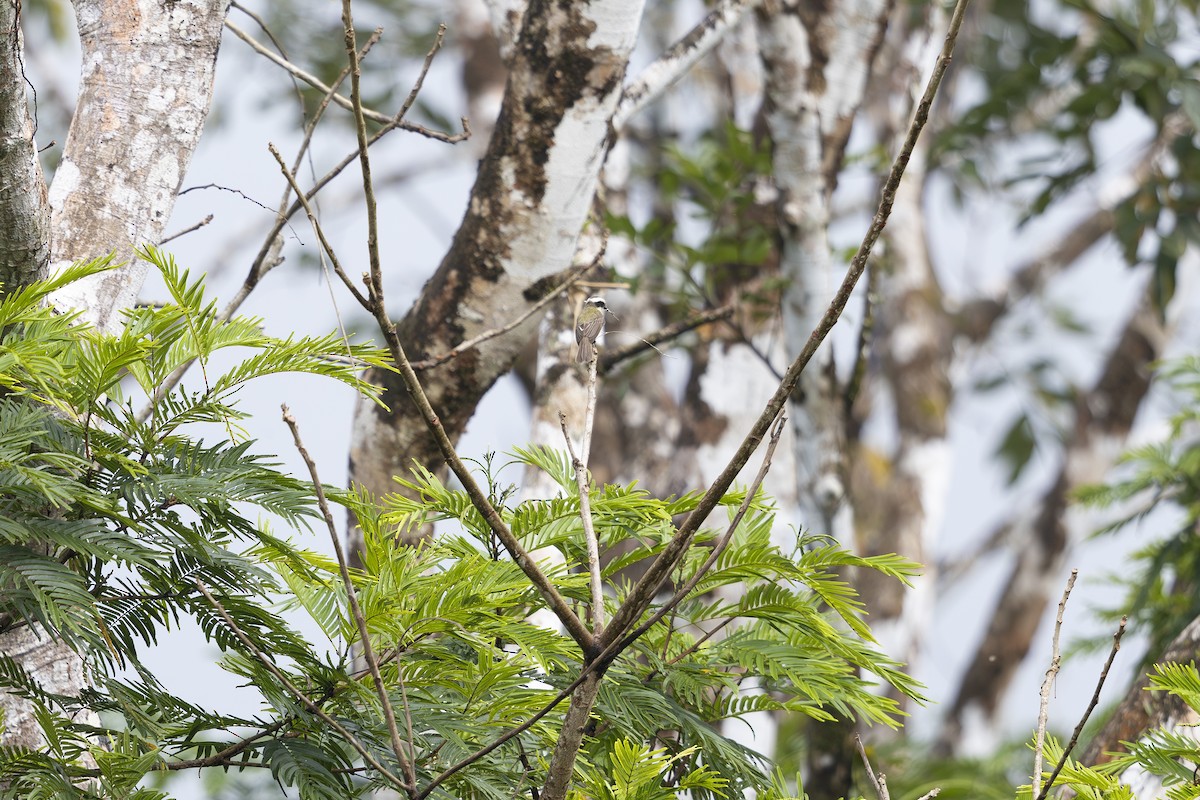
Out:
{"x": 529, "y": 203}
{"x": 1141, "y": 711}
{"x": 145, "y": 91}
{"x": 815, "y": 62}
{"x": 24, "y": 208}
{"x": 816, "y": 59}
{"x": 901, "y": 492}
{"x": 1041, "y": 539}
{"x": 561, "y": 772}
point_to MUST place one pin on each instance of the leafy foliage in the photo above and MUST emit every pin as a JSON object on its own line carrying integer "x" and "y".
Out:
{"x": 116, "y": 525}
{"x": 1159, "y": 580}
{"x": 790, "y": 638}
{"x": 1165, "y": 755}
{"x": 718, "y": 236}
{"x": 1054, "y": 75}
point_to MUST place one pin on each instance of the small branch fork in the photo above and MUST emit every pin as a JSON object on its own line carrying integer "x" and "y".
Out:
{"x": 341, "y": 100}
{"x": 1095, "y": 701}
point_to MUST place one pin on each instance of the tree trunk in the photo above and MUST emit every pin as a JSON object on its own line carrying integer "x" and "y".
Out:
{"x": 24, "y": 208}
{"x": 528, "y": 205}
{"x": 144, "y": 94}
{"x": 1041, "y": 538}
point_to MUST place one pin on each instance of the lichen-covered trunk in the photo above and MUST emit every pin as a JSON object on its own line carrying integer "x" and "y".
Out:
{"x": 532, "y": 194}
{"x": 24, "y": 209}
{"x": 145, "y": 91}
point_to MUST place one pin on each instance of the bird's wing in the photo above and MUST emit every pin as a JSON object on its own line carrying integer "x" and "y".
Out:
{"x": 589, "y": 330}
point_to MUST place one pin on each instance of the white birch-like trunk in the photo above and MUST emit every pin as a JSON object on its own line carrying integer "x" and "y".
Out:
{"x": 913, "y": 336}
{"x": 524, "y": 216}
{"x": 145, "y": 91}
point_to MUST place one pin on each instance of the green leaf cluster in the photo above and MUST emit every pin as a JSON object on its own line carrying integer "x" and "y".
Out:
{"x": 116, "y": 522}
{"x": 1052, "y": 75}
{"x": 109, "y": 517}
{"x": 719, "y": 233}
{"x": 767, "y": 629}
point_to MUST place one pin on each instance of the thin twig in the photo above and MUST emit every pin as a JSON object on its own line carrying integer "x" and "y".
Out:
{"x": 308, "y": 702}
{"x": 615, "y": 356}
{"x": 316, "y": 226}
{"x": 389, "y": 714}
{"x": 642, "y": 593}
{"x": 1047, "y": 684}
{"x": 438, "y": 38}
{"x": 342, "y": 100}
{"x": 876, "y": 780}
{"x": 585, "y": 502}
{"x": 186, "y": 231}
{"x": 435, "y": 361}
{"x": 1075, "y": 734}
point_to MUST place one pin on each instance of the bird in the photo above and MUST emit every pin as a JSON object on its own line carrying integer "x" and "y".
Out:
{"x": 589, "y": 325}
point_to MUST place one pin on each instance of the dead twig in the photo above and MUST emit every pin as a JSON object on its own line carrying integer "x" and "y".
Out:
{"x": 612, "y": 357}
{"x": 186, "y": 230}
{"x": 342, "y": 100}
{"x": 1112, "y": 654}
{"x": 877, "y": 781}
{"x": 389, "y": 714}
{"x": 1048, "y": 683}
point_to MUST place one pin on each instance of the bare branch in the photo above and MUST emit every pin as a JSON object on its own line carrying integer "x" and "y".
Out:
{"x": 389, "y": 714}
{"x": 316, "y": 225}
{"x": 585, "y": 499}
{"x": 342, "y": 100}
{"x": 207, "y": 220}
{"x": 1047, "y": 683}
{"x": 680, "y": 58}
{"x": 1112, "y": 654}
{"x": 612, "y": 357}
{"x": 876, "y": 780}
